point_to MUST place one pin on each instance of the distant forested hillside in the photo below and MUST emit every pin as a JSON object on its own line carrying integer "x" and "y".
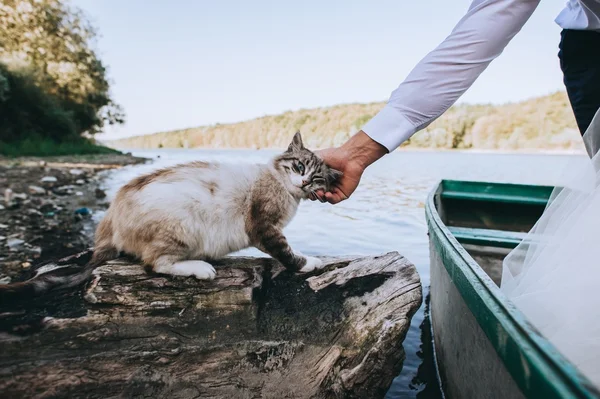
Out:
{"x": 540, "y": 123}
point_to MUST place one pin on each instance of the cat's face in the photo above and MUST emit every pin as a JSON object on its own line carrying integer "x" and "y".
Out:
{"x": 305, "y": 170}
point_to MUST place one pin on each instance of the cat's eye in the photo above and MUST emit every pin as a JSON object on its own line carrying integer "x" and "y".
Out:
{"x": 299, "y": 168}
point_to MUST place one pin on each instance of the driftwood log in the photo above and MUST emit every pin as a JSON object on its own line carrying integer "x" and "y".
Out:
{"x": 256, "y": 331}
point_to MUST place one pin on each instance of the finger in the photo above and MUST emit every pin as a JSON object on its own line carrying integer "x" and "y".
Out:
{"x": 320, "y": 195}
{"x": 335, "y": 196}
{"x": 341, "y": 193}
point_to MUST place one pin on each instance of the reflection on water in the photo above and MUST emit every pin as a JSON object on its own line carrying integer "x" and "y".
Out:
{"x": 386, "y": 213}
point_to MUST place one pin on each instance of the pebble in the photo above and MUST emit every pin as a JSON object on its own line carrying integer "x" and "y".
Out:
{"x": 100, "y": 193}
{"x": 76, "y": 172}
{"x": 83, "y": 211}
{"x": 5, "y": 280}
{"x": 2, "y": 238}
{"x": 80, "y": 182}
{"x": 14, "y": 243}
{"x": 3, "y": 226}
{"x": 35, "y": 190}
{"x": 21, "y": 196}
{"x": 48, "y": 179}
{"x": 34, "y": 212}
{"x": 64, "y": 190}
{"x": 79, "y": 193}
{"x": 47, "y": 206}
{"x": 25, "y": 265}
{"x": 36, "y": 251}
{"x": 2, "y": 207}
{"x": 8, "y": 194}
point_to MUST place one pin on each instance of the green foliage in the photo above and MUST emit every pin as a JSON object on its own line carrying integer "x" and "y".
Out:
{"x": 37, "y": 146}
{"x": 53, "y": 87}
{"x": 26, "y": 110}
{"x": 279, "y": 118}
{"x": 360, "y": 122}
{"x": 300, "y": 121}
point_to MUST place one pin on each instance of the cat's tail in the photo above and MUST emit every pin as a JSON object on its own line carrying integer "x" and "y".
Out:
{"x": 56, "y": 279}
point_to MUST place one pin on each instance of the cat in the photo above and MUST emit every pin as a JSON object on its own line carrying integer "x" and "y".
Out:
{"x": 179, "y": 219}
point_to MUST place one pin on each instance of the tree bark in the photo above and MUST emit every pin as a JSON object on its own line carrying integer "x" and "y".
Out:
{"x": 256, "y": 331}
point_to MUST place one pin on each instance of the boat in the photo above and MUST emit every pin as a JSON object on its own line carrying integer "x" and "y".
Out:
{"x": 484, "y": 346}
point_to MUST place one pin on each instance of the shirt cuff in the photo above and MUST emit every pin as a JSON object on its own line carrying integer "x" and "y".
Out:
{"x": 390, "y": 128}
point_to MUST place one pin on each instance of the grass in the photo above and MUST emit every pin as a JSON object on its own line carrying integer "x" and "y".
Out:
{"x": 47, "y": 147}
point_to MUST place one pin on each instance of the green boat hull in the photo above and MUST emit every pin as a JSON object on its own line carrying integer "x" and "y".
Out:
{"x": 484, "y": 346}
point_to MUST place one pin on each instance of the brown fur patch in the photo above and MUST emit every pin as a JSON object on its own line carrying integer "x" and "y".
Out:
{"x": 198, "y": 164}
{"x": 155, "y": 240}
{"x": 141, "y": 181}
{"x": 211, "y": 186}
{"x": 266, "y": 206}
{"x": 104, "y": 230}
{"x": 264, "y": 222}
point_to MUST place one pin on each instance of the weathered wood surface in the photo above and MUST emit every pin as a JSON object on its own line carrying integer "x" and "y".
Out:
{"x": 256, "y": 331}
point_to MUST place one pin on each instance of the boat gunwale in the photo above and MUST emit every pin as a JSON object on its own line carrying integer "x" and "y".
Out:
{"x": 533, "y": 362}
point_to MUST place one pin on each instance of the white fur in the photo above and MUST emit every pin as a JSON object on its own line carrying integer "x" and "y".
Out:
{"x": 197, "y": 268}
{"x": 312, "y": 263}
{"x": 206, "y": 220}
{"x": 297, "y": 179}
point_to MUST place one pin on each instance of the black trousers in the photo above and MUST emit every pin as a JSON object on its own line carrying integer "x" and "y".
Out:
{"x": 579, "y": 54}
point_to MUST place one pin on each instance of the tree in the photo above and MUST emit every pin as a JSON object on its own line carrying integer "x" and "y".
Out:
{"x": 54, "y": 43}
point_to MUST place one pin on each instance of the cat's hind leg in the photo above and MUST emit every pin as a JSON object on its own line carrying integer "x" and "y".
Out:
{"x": 168, "y": 264}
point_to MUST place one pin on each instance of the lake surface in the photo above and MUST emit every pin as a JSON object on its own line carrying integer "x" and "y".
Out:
{"x": 385, "y": 214}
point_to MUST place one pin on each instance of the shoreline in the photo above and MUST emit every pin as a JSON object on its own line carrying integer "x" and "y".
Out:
{"x": 46, "y": 208}
{"x": 525, "y": 151}
{"x": 48, "y": 220}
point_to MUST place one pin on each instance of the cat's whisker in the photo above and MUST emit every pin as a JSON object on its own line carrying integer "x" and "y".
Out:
{"x": 317, "y": 196}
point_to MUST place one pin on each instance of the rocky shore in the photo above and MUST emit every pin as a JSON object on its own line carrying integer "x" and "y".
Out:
{"x": 46, "y": 206}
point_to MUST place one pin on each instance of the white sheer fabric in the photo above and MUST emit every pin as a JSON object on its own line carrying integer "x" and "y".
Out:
{"x": 553, "y": 276}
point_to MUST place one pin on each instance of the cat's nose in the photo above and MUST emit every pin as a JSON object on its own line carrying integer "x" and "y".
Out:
{"x": 305, "y": 182}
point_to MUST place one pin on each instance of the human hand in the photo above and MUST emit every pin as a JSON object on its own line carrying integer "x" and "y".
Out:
{"x": 342, "y": 189}
{"x": 352, "y": 158}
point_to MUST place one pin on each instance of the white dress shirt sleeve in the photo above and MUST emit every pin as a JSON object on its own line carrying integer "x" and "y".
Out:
{"x": 447, "y": 72}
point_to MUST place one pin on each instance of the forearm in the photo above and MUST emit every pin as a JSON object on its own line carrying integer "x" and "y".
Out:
{"x": 362, "y": 150}
{"x": 440, "y": 78}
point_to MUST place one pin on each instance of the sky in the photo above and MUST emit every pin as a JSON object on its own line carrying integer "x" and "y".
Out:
{"x": 185, "y": 63}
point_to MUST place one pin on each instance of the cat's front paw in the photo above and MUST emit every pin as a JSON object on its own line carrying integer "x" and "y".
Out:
{"x": 205, "y": 272}
{"x": 197, "y": 268}
{"x": 312, "y": 264}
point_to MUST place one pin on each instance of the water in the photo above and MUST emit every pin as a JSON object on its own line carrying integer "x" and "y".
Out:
{"x": 386, "y": 213}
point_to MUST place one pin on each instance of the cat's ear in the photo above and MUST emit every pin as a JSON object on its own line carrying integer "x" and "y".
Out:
{"x": 333, "y": 175}
{"x": 296, "y": 144}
